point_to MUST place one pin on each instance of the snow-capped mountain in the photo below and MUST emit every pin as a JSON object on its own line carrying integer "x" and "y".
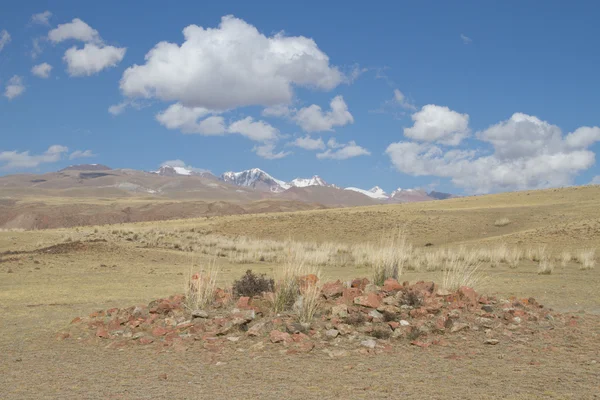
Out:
{"x": 314, "y": 181}
{"x": 169, "y": 170}
{"x": 255, "y": 178}
{"x": 374, "y": 193}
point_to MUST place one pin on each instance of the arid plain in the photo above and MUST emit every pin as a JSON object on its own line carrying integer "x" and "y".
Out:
{"x": 538, "y": 244}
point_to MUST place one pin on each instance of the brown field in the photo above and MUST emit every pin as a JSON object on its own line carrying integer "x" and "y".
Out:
{"x": 48, "y": 277}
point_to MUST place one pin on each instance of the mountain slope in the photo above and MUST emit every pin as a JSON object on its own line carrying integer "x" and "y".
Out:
{"x": 255, "y": 178}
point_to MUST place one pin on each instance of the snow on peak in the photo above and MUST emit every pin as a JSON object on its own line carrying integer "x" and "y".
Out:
{"x": 168, "y": 170}
{"x": 374, "y": 193}
{"x": 255, "y": 177}
{"x": 304, "y": 182}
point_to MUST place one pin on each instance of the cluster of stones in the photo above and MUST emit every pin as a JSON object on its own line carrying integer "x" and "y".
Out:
{"x": 354, "y": 314}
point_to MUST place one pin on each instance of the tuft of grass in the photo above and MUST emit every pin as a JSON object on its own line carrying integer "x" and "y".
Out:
{"x": 537, "y": 254}
{"x": 545, "y": 267}
{"x": 388, "y": 260}
{"x": 513, "y": 257}
{"x": 459, "y": 273}
{"x": 288, "y": 288}
{"x": 502, "y": 222}
{"x": 310, "y": 301}
{"x": 586, "y": 258}
{"x": 200, "y": 288}
{"x": 565, "y": 258}
{"x": 356, "y": 319}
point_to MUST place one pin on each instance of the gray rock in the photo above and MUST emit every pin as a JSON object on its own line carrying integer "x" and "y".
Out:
{"x": 492, "y": 342}
{"x": 332, "y": 333}
{"x": 369, "y": 343}
{"x": 199, "y": 314}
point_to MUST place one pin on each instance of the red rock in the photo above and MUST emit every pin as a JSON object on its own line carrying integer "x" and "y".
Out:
{"x": 299, "y": 337}
{"x": 468, "y": 294}
{"x": 572, "y": 322}
{"x": 63, "y": 336}
{"x": 332, "y": 289}
{"x": 114, "y": 324}
{"x": 76, "y": 320}
{"x": 256, "y": 329}
{"x": 112, "y": 311}
{"x": 418, "y": 312}
{"x": 278, "y": 336}
{"x": 360, "y": 283}
{"x": 420, "y": 344}
{"x": 394, "y": 324}
{"x": 159, "y": 331}
{"x": 349, "y": 294}
{"x": 243, "y": 303}
{"x": 222, "y": 296}
{"x": 307, "y": 281}
{"x": 391, "y": 285}
{"x": 146, "y": 340}
{"x": 163, "y": 377}
{"x": 101, "y": 332}
{"x": 370, "y": 300}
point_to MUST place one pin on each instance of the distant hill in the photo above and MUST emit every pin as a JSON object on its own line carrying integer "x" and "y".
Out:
{"x": 86, "y": 167}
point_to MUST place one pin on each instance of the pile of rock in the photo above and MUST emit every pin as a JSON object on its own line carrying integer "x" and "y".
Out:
{"x": 354, "y": 315}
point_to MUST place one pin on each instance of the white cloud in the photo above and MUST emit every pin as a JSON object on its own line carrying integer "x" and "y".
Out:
{"x": 92, "y": 59}
{"x": 595, "y": 180}
{"x": 41, "y": 18}
{"x": 333, "y": 144}
{"x": 117, "y": 109}
{"x": 267, "y": 151}
{"x": 583, "y": 137}
{"x": 77, "y": 30}
{"x": 401, "y": 100}
{"x": 81, "y": 154}
{"x": 176, "y": 116}
{"x": 230, "y": 66}
{"x": 42, "y": 70}
{"x": 256, "y": 130}
{"x": 465, "y": 39}
{"x": 4, "y": 38}
{"x": 308, "y": 143}
{"x": 528, "y": 154}
{"x": 14, "y": 159}
{"x": 14, "y": 87}
{"x": 343, "y": 152}
{"x": 36, "y": 49}
{"x": 438, "y": 124}
{"x": 313, "y": 119}
{"x": 182, "y": 164}
{"x": 279, "y": 110}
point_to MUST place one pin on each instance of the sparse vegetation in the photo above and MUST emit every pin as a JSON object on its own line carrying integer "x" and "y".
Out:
{"x": 546, "y": 267}
{"x": 252, "y": 284}
{"x": 200, "y": 288}
{"x": 586, "y": 258}
{"x": 459, "y": 273}
{"x": 502, "y": 222}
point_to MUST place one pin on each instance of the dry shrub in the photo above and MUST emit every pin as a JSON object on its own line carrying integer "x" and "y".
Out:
{"x": 545, "y": 267}
{"x": 200, "y": 288}
{"x": 586, "y": 257}
{"x": 288, "y": 289}
{"x": 565, "y": 258}
{"x": 252, "y": 284}
{"x": 388, "y": 259}
{"x": 308, "y": 303}
{"x": 513, "y": 257}
{"x": 459, "y": 273}
{"x": 355, "y": 319}
{"x": 537, "y": 253}
{"x": 502, "y": 222}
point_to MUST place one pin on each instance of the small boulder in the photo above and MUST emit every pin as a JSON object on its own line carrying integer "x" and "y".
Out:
{"x": 332, "y": 333}
{"x": 277, "y": 336}
{"x": 369, "y": 343}
{"x": 331, "y": 290}
{"x": 370, "y": 300}
{"x": 391, "y": 285}
{"x": 199, "y": 314}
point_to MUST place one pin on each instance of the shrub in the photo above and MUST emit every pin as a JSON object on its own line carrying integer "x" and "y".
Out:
{"x": 355, "y": 319}
{"x": 565, "y": 258}
{"x": 381, "y": 333}
{"x": 309, "y": 303}
{"x": 502, "y": 222}
{"x": 252, "y": 284}
{"x": 587, "y": 258}
{"x": 458, "y": 273}
{"x": 546, "y": 267}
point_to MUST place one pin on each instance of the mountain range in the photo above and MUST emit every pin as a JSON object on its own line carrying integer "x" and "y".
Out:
{"x": 260, "y": 180}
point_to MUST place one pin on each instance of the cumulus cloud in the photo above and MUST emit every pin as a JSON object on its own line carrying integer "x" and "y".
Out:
{"x": 279, "y": 110}
{"x": 36, "y": 47}
{"x": 42, "y": 70}
{"x": 527, "y": 154}
{"x": 4, "y": 38}
{"x": 267, "y": 151}
{"x": 256, "y": 130}
{"x": 438, "y": 124}
{"x": 77, "y": 30}
{"x": 401, "y": 100}
{"x": 14, "y": 87}
{"x": 465, "y": 39}
{"x": 343, "y": 151}
{"x": 595, "y": 180}
{"x": 81, "y": 154}
{"x": 182, "y": 164}
{"x": 313, "y": 119}
{"x": 117, "y": 109}
{"x": 230, "y": 66}
{"x": 92, "y": 59}
{"x": 14, "y": 159}
{"x": 42, "y": 18}
{"x": 308, "y": 143}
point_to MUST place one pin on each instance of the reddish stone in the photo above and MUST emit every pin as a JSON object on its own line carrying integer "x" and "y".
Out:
{"x": 332, "y": 289}
{"x": 391, "y": 285}
{"x": 63, "y": 335}
{"x": 418, "y": 312}
{"x": 278, "y": 336}
{"x": 572, "y": 322}
{"x": 222, "y": 296}
{"x": 101, "y": 332}
{"x": 299, "y": 337}
{"x": 306, "y": 281}
{"x": 370, "y": 300}
{"x": 146, "y": 340}
{"x": 114, "y": 324}
{"x": 112, "y": 311}
{"x": 349, "y": 294}
{"x": 243, "y": 303}
{"x": 420, "y": 344}
{"x": 468, "y": 294}
{"x": 76, "y": 320}
{"x": 394, "y": 324}
{"x": 360, "y": 283}
{"x": 159, "y": 331}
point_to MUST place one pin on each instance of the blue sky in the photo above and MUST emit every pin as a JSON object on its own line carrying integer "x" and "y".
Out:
{"x": 465, "y": 97}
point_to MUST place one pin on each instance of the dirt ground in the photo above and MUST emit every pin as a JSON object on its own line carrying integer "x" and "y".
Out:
{"x": 41, "y": 292}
